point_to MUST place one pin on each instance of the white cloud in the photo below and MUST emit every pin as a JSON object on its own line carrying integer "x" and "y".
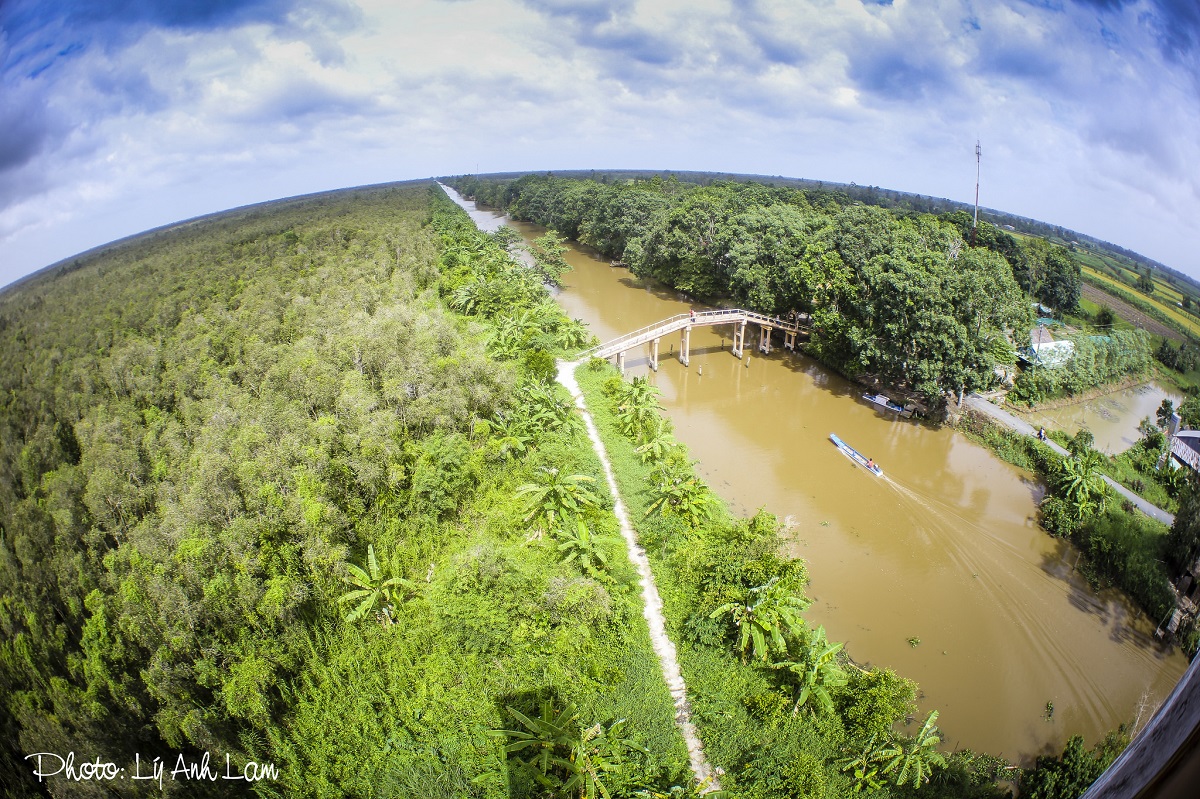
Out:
{"x": 1085, "y": 122}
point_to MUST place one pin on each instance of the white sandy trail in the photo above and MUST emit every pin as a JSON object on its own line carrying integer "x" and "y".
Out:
{"x": 651, "y": 601}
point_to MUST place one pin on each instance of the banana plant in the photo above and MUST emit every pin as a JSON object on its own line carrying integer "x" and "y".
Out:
{"x": 556, "y": 496}
{"x": 913, "y": 760}
{"x": 768, "y": 612}
{"x": 816, "y": 673}
{"x": 863, "y": 766}
{"x": 372, "y": 589}
{"x": 580, "y": 547}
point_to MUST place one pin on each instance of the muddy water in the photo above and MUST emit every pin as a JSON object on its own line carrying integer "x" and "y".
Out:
{"x": 944, "y": 549}
{"x": 1112, "y": 419}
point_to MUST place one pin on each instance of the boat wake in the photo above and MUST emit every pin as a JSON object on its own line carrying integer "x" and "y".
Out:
{"x": 1021, "y": 588}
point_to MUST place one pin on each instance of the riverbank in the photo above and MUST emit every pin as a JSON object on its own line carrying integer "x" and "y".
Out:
{"x": 743, "y": 710}
{"x": 949, "y": 531}
{"x": 1123, "y": 548}
{"x": 1133, "y": 381}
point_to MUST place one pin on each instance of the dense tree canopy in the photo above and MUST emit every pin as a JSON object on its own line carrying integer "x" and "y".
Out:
{"x": 900, "y": 297}
{"x": 258, "y": 497}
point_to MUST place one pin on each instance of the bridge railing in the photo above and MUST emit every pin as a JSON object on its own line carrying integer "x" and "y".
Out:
{"x": 672, "y": 323}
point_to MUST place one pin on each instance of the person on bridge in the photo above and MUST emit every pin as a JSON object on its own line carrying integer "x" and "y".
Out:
{"x": 693, "y": 312}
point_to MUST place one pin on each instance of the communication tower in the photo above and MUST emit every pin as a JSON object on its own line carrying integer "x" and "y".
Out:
{"x": 975, "y": 221}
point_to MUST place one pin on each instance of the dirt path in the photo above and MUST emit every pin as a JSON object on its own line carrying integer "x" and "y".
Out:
{"x": 651, "y": 601}
{"x": 1127, "y": 312}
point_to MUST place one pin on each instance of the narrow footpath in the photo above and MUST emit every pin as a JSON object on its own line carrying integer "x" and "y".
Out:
{"x": 1002, "y": 416}
{"x": 651, "y": 601}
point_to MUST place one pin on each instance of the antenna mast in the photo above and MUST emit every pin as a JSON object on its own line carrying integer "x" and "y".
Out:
{"x": 975, "y": 222}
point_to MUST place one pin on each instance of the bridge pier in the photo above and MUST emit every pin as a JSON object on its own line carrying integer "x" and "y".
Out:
{"x": 621, "y": 361}
{"x": 764, "y": 338}
{"x": 685, "y": 339}
{"x": 654, "y": 355}
{"x": 739, "y": 337}
{"x": 789, "y": 339}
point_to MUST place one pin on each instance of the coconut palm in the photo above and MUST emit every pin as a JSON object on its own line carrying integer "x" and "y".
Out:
{"x": 816, "y": 672}
{"x": 768, "y": 612}
{"x": 913, "y": 760}
{"x": 556, "y": 496}
{"x": 372, "y": 589}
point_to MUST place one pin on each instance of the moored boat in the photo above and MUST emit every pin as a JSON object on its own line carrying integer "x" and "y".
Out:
{"x": 855, "y": 456}
{"x": 887, "y": 404}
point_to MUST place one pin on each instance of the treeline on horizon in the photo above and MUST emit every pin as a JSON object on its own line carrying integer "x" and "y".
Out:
{"x": 893, "y": 199}
{"x": 899, "y": 296}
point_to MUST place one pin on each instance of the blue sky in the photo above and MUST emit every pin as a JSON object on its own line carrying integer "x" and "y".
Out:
{"x": 120, "y": 115}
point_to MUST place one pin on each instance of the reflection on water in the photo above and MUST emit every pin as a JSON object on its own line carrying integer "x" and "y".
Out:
{"x": 1112, "y": 419}
{"x": 944, "y": 549}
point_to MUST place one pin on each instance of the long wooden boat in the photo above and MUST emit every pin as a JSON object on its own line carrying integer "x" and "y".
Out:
{"x": 854, "y": 455}
{"x": 887, "y": 404}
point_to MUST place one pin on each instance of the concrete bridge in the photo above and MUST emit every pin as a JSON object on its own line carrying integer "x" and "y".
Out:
{"x": 683, "y": 323}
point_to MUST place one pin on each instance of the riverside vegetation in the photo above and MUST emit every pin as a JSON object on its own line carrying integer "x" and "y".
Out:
{"x": 857, "y": 270}
{"x": 293, "y": 484}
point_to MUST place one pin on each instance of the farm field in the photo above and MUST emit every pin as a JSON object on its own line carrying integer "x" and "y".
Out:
{"x": 1185, "y": 321}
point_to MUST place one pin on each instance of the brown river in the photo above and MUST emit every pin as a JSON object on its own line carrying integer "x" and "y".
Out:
{"x": 938, "y": 570}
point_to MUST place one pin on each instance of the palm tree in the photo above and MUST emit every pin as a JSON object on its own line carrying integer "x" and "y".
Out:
{"x": 372, "y": 589}
{"x": 768, "y": 613}
{"x": 556, "y": 496}
{"x": 916, "y": 757}
{"x": 816, "y": 673}
{"x": 582, "y": 547}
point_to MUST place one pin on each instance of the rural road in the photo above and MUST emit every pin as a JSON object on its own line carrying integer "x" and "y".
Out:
{"x": 1005, "y": 418}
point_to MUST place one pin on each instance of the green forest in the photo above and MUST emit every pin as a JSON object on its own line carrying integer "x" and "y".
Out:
{"x": 259, "y": 496}
{"x": 899, "y": 296}
{"x": 293, "y": 488}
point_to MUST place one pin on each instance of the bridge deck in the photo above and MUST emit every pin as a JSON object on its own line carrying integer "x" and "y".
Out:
{"x": 681, "y": 321}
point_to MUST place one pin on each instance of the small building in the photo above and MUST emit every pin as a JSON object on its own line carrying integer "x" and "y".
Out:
{"x": 1185, "y": 448}
{"x": 1043, "y": 350}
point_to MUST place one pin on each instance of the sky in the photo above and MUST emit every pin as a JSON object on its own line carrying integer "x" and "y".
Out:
{"x": 117, "y": 116}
